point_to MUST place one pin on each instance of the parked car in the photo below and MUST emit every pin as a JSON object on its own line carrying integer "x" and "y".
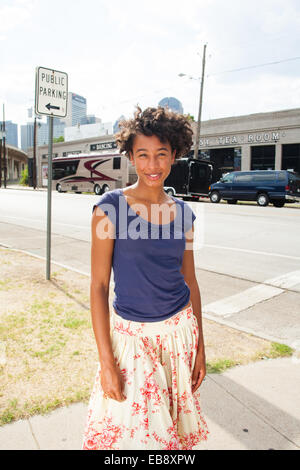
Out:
{"x": 271, "y": 186}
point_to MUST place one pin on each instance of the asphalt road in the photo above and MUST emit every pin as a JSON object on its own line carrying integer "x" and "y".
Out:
{"x": 247, "y": 257}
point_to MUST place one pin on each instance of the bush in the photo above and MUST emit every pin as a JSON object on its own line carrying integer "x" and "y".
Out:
{"x": 24, "y": 176}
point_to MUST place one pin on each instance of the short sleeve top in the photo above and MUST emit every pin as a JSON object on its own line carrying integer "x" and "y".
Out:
{"x": 147, "y": 260}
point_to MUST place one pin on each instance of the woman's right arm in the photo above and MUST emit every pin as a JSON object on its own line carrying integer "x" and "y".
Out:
{"x": 101, "y": 264}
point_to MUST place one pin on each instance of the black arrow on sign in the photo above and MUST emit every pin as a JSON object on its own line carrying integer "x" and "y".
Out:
{"x": 50, "y": 106}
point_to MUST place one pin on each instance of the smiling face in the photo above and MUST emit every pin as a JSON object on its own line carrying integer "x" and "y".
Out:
{"x": 152, "y": 159}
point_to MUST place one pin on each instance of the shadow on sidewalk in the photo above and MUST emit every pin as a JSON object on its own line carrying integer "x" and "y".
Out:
{"x": 243, "y": 417}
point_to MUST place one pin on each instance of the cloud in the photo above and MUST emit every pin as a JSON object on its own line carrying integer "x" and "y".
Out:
{"x": 15, "y": 13}
{"x": 120, "y": 53}
{"x": 157, "y": 17}
{"x": 261, "y": 94}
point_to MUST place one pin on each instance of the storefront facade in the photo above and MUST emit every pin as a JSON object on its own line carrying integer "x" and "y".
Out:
{"x": 255, "y": 142}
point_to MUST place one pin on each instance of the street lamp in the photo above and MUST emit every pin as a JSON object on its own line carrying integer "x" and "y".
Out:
{"x": 188, "y": 76}
{"x": 196, "y": 146}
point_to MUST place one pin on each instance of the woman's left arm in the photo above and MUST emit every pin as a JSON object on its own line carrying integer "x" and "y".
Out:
{"x": 188, "y": 271}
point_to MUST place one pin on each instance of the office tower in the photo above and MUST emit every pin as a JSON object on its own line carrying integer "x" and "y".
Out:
{"x": 42, "y": 132}
{"x": 76, "y": 110}
{"x": 11, "y": 130}
{"x": 116, "y": 124}
{"x": 27, "y": 136}
{"x": 89, "y": 119}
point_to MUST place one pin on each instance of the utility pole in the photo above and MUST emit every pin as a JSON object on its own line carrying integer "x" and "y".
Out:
{"x": 4, "y": 149}
{"x": 197, "y": 141}
{"x": 1, "y": 155}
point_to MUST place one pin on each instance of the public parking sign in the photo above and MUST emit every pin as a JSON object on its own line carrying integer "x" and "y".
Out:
{"x": 51, "y": 92}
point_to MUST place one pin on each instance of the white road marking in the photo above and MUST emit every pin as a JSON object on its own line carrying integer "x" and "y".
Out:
{"x": 238, "y": 302}
{"x": 286, "y": 281}
{"x": 250, "y": 297}
{"x": 39, "y": 221}
{"x": 252, "y": 252}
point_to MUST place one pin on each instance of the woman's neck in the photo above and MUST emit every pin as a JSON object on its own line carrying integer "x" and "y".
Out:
{"x": 155, "y": 195}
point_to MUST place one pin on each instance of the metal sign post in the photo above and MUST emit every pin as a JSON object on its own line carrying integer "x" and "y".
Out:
{"x": 49, "y": 202}
{"x": 51, "y": 98}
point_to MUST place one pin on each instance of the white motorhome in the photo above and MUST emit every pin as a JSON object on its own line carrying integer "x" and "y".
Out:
{"x": 94, "y": 172}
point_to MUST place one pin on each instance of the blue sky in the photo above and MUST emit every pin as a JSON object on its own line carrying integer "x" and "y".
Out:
{"x": 118, "y": 54}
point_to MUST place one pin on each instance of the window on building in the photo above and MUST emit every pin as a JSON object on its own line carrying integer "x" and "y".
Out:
{"x": 291, "y": 157}
{"x": 263, "y": 157}
{"x": 237, "y": 158}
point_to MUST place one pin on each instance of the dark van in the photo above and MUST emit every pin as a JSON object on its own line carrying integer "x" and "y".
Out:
{"x": 264, "y": 187}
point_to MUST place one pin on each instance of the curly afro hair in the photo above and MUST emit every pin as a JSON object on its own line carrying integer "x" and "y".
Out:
{"x": 163, "y": 123}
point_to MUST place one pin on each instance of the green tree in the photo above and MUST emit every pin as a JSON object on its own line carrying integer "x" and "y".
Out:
{"x": 189, "y": 116}
{"x": 58, "y": 139}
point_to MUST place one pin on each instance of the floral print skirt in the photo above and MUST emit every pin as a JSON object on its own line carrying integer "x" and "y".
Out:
{"x": 160, "y": 412}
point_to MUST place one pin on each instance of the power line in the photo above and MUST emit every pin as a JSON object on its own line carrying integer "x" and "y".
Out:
{"x": 153, "y": 92}
{"x": 254, "y": 66}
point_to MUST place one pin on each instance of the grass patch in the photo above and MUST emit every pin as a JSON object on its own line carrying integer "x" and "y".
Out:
{"x": 275, "y": 351}
{"x": 219, "y": 366}
{"x": 280, "y": 350}
{"x": 6, "y": 284}
{"x": 48, "y": 353}
{"x": 9, "y": 413}
{"x": 74, "y": 323}
{"x": 49, "y": 356}
{"x": 41, "y": 406}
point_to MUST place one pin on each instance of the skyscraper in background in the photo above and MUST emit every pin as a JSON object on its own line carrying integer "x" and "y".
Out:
{"x": 172, "y": 103}
{"x": 27, "y": 136}
{"x": 11, "y": 130}
{"x": 89, "y": 119}
{"x": 116, "y": 127}
{"x": 42, "y": 132}
{"x": 76, "y": 110}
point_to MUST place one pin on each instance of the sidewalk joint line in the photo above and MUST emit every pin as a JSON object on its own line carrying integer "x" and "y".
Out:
{"x": 33, "y": 435}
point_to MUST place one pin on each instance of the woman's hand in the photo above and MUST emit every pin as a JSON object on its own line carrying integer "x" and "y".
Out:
{"x": 112, "y": 382}
{"x": 199, "y": 371}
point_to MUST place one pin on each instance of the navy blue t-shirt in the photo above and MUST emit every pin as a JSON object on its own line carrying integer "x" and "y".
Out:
{"x": 147, "y": 260}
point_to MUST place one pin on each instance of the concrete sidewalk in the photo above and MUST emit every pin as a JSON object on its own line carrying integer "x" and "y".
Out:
{"x": 252, "y": 407}
{"x": 26, "y": 188}
{"x": 248, "y": 407}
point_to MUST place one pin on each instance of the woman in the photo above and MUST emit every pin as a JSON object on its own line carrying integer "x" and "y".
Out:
{"x": 151, "y": 348}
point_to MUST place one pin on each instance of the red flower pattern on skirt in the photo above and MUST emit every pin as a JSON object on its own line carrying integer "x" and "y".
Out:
{"x": 156, "y": 361}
